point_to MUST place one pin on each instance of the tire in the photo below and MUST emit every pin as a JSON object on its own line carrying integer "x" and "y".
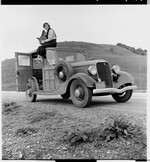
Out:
{"x": 31, "y": 87}
{"x": 64, "y": 71}
{"x": 80, "y": 94}
{"x": 65, "y": 96}
{"x": 122, "y": 97}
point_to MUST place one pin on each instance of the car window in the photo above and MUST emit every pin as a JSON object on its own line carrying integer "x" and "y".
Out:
{"x": 70, "y": 58}
{"x": 80, "y": 57}
{"x": 24, "y": 60}
{"x": 68, "y": 54}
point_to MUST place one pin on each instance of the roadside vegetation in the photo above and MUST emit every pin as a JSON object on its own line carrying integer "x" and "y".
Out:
{"x": 32, "y": 133}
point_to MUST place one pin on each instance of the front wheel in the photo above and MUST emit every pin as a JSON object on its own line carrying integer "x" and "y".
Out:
{"x": 31, "y": 87}
{"x": 80, "y": 94}
{"x": 122, "y": 97}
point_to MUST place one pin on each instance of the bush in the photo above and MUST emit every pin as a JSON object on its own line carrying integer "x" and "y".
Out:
{"x": 113, "y": 128}
{"x": 10, "y": 108}
{"x": 138, "y": 51}
{"x": 117, "y": 127}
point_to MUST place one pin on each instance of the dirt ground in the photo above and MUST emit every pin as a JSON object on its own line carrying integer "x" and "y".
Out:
{"x": 42, "y": 131}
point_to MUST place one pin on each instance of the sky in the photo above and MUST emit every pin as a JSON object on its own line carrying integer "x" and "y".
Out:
{"x": 100, "y": 24}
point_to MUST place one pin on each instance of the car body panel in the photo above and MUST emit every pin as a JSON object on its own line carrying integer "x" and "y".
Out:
{"x": 123, "y": 78}
{"x": 90, "y": 82}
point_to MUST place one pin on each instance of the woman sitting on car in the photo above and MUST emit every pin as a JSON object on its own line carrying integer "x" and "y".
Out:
{"x": 48, "y": 40}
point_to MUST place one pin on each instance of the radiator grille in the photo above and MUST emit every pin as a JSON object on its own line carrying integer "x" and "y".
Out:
{"x": 104, "y": 73}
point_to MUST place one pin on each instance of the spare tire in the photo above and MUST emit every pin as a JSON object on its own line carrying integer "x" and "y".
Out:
{"x": 63, "y": 71}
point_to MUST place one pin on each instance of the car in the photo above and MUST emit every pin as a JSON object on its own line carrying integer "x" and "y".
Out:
{"x": 66, "y": 71}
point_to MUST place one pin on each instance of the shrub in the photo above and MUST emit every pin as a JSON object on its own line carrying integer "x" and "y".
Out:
{"x": 10, "y": 108}
{"x": 138, "y": 51}
{"x": 114, "y": 127}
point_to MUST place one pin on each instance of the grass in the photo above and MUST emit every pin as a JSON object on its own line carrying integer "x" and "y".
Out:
{"x": 42, "y": 116}
{"x": 34, "y": 133}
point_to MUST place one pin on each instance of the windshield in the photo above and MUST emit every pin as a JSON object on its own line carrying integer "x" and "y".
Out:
{"x": 72, "y": 57}
{"x": 67, "y": 54}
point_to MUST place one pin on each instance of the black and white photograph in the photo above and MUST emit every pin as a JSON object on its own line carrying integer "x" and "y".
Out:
{"x": 74, "y": 82}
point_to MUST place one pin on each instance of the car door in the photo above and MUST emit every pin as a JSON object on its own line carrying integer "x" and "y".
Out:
{"x": 23, "y": 70}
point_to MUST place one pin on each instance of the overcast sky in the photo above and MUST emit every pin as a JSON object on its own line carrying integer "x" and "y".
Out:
{"x": 101, "y": 24}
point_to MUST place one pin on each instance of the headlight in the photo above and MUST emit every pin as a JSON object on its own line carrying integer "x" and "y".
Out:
{"x": 92, "y": 70}
{"x": 116, "y": 69}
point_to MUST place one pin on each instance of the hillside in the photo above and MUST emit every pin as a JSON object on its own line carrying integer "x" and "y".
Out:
{"x": 8, "y": 75}
{"x": 130, "y": 62}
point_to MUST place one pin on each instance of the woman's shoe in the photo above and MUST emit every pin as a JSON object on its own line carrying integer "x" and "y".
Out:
{"x": 39, "y": 59}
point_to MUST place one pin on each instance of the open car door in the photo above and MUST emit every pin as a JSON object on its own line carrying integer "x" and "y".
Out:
{"x": 23, "y": 70}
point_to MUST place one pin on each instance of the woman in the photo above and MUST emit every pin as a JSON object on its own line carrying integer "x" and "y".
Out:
{"x": 49, "y": 41}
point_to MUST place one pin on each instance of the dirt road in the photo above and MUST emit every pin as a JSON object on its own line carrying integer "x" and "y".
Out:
{"x": 136, "y": 104}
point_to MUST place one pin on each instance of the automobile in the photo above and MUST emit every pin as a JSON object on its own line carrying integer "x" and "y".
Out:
{"x": 66, "y": 71}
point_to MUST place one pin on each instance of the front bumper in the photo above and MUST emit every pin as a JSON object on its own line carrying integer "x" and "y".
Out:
{"x": 114, "y": 90}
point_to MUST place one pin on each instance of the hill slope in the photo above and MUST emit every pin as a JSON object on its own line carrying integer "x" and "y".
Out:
{"x": 8, "y": 75}
{"x": 130, "y": 62}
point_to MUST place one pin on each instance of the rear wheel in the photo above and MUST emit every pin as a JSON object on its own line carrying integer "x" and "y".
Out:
{"x": 80, "y": 94}
{"x": 122, "y": 97}
{"x": 31, "y": 88}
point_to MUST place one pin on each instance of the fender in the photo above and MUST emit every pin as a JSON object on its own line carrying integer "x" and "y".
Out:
{"x": 89, "y": 81}
{"x": 35, "y": 82}
{"x": 123, "y": 78}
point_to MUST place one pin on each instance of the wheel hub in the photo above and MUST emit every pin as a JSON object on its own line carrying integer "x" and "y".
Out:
{"x": 61, "y": 74}
{"x": 79, "y": 93}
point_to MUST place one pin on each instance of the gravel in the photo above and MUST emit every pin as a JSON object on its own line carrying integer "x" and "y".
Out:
{"x": 46, "y": 131}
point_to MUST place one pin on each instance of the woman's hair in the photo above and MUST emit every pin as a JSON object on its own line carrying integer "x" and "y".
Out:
{"x": 46, "y": 24}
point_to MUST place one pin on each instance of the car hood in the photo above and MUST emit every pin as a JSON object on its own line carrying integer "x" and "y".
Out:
{"x": 85, "y": 63}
